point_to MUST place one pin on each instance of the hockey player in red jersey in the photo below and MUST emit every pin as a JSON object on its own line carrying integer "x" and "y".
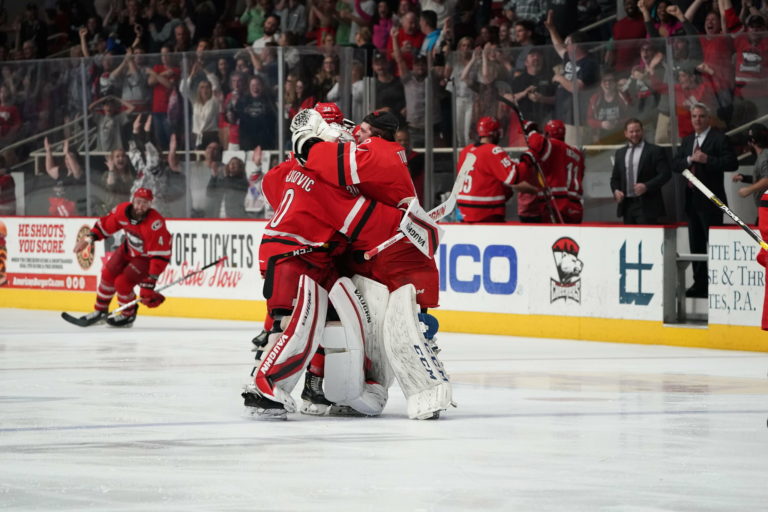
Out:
{"x": 377, "y": 167}
{"x": 317, "y": 220}
{"x": 493, "y": 178}
{"x": 140, "y": 259}
{"x": 563, "y": 168}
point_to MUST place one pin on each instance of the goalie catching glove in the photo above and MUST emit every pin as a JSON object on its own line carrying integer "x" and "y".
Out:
{"x": 149, "y": 297}
{"x": 307, "y": 129}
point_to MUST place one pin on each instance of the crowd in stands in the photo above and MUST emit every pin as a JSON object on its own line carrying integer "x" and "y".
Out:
{"x": 137, "y": 66}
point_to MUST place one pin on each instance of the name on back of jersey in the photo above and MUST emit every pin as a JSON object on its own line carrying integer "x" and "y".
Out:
{"x": 300, "y": 179}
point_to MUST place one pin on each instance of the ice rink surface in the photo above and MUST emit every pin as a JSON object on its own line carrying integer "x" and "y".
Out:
{"x": 150, "y": 418}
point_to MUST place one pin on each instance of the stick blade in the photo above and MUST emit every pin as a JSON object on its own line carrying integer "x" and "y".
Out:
{"x": 80, "y": 321}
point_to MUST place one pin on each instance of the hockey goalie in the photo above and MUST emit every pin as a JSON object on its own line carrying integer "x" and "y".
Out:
{"x": 363, "y": 339}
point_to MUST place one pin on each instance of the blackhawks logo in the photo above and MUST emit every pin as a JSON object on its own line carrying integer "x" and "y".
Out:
{"x": 86, "y": 256}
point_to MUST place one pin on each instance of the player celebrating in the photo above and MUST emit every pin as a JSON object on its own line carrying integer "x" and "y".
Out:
{"x": 140, "y": 259}
{"x": 563, "y": 169}
{"x": 376, "y": 167}
{"x": 312, "y": 219}
{"x": 493, "y": 178}
{"x": 288, "y": 352}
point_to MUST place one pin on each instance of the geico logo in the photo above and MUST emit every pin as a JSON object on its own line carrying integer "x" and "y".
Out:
{"x": 465, "y": 268}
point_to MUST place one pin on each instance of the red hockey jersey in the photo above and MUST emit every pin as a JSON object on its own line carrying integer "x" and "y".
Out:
{"x": 487, "y": 187}
{"x": 563, "y": 167}
{"x": 310, "y": 211}
{"x": 377, "y": 168}
{"x": 147, "y": 238}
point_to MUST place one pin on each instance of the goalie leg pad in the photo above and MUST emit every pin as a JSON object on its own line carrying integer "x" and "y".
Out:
{"x": 344, "y": 377}
{"x": 286, "y": 359}
{"x": 419, "y": 372}
{"x": 344, "y": 343}
{"x": 377, "y": 296}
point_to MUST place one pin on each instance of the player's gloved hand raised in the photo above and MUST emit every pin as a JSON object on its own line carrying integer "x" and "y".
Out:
{"x": 308, "y": 128}
{"x": 148, "y": 296}
{"x": 529, "y": 127}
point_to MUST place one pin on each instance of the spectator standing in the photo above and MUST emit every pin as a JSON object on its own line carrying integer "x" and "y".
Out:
{"x": 162, "y": 78}
{"x": 110, "y": 114}
{"x": 577, "y": 76}
{"x": 10, "y": 120}
{"x": 381, "y": 25}
{"x": 206, "y": 104}
{"x": 524, "y": 36}
{"x": 253, "y": 17}
{"x": 533, "y": 91}
{"x": 293, "y": 17}
{"x": 131, "y": 81}
{"x": 640, "y": 169}
{"x": 443, "y": 9}
{"x": 461, "y": 72}
{"x": 607, "y": 108}
{"x": 410, "y": 38}
{"x": 390, "y": 93}
{"x": 690, "y": 91}
{"x": 271, "y": 32}
{"x": 117, "y": 181}
{"x": 69, "y": 188}
{"x": 7, "y": 190}
{"x": 256, "y": 117}
{"x": 428, "y": 27}
{"x": 226, "y": 190}
{"x": 414, "y": 85}
{"x": 628, "y": 28}
{"x": 415, "y": 162}
{"x": 33, "y": 29}
{"x": 708, "y": 154}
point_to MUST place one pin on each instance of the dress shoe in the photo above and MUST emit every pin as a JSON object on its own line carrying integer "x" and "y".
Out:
{"x": 698, "y": 292}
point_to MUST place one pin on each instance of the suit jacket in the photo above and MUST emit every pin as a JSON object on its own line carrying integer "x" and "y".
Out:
{"x": 721, "y": 159}
{"x": 652, "y": 170}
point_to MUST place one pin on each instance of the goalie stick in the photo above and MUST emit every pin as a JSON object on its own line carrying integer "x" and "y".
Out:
{"x": 436, "y": 213}
{"x": 723, "y": 207}
{"x": 83, "y": 322}
{"x": 554, "y": 213}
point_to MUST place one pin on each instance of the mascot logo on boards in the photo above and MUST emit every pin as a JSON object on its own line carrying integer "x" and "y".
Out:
{"x": 85, "y": 257}
{"x": 568, "y": 285}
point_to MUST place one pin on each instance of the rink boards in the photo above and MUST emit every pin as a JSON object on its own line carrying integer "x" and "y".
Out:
{"x": 578, "y": 282}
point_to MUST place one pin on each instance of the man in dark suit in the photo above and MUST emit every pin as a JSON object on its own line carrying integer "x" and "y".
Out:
{"x": 639, "y": 171}
{"x": 708, "y": 154}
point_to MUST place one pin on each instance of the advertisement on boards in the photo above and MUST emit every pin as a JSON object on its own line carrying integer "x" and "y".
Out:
{"x": 736, "y": 280}
{"x": 594, "y": 271}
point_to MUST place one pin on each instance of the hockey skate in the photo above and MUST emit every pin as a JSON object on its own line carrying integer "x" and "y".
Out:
{"x": 262, "y": 407}
{"x": 260, "y": 343}
{"x": 121, "y": 320}
{"x": 92, "y": 318}
{"x": 315, "y": 403}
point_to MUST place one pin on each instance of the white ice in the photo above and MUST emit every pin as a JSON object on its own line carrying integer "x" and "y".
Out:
{"x": 150, "y": 418}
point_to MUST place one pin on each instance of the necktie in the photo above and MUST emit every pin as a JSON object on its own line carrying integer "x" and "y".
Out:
{"x": 631, "y": 173}
{"x": 694, "y": 165}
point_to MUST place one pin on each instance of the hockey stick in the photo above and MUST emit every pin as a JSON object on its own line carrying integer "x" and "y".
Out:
{"x": 723, "y": 207}
{"x": 436, "y": 213}
{"x": 554, "y": 213}
{"x": 114, "y": 313}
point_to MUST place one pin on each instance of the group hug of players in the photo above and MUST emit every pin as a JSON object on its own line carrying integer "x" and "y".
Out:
{"x": 350, "y": 323}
